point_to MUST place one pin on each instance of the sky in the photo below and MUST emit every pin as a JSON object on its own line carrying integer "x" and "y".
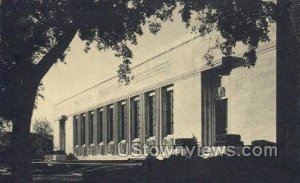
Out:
{"x": 83, "y": 70}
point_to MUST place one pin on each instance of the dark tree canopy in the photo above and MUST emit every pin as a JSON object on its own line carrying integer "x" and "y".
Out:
{"x": 42, "y": 127}
{"x": 36, "y": 33}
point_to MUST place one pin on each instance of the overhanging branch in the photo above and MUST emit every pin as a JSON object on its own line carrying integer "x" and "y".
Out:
{"x": 55, "y": 53}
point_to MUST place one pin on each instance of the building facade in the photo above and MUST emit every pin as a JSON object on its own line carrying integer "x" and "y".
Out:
{"x": 174, "y": 95}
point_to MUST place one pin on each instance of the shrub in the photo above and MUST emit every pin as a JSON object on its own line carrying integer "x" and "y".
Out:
{"x": 40, "y": 146}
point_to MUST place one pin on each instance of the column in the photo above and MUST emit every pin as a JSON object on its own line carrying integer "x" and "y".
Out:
{"x": 116, "y": 127}
{"x": 95, "y": 131}
{"x": 87, "y": 119}
{"x": 158, "y": 117}
{"x": 142, "y": 118}
{"x": 74, "y": 131}
{"x": 87, "y": 143}
{"x": 62, "y": 135}
{"x": 146, "y": 116}
{"x": 104, "y": 128}
{"x": 79, "y": 143}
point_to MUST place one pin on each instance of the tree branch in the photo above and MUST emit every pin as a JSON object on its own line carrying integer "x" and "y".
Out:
{"x": 55, "y": 53}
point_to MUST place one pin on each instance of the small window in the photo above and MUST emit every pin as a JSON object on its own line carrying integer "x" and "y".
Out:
{"x": 110, "y": 123}
{"x": 100, "y": 126}
{"x": 82, "y": 128}
{"x": 151, "y": 114}
{"x": 91, "y": 128}
{"x": 169, "y": 110}
{"x": 122, "y": 117}
{"x": 136, "y": 117}
{"x": 75, "y": 120}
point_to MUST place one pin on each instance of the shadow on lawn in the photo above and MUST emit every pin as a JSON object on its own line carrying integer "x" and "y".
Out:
{"x": 213, "y": 170}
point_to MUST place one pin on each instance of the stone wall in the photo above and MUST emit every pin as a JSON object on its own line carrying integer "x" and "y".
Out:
{"x": 251, "y": 95}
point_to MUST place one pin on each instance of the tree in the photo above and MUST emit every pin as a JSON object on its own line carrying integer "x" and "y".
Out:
{"x": 288, "y": 68}
{"x": 42, "y": 127}
{"x": 41, "y": 138}
{"x": 36, "y": 34}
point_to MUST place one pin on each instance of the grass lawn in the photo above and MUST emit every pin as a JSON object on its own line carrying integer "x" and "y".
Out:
{"x": 173, "y": 170}
{"x": 214, "y": 170}
{"x": 68, "y": 171}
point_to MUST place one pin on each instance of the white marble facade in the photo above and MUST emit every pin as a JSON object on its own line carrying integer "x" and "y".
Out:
{"x": 178, "y": 74}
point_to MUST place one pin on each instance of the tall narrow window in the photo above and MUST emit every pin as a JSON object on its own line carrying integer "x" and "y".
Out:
{"x": 136, "y": 117}
{"x": 100, "y": 126}
{"x": 122, "y": 120}
{"x": 221, "y": 117}
{"x": 82, "y": 128}
{"x": 151, "y": 114}
{"x": 91, "y": 129}
{"x": 110, "y": 123}
{"x": 75, "y": 119}
{"x": 169, "y": 111}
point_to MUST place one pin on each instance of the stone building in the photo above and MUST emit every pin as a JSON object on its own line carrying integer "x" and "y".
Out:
{"x": 174, "y": 95}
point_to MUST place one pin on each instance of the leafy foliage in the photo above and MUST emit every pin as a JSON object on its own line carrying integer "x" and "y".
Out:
{"x": 37, "y": 33}
{"x": 40, "y": 146}
{"x": 245, "y": 21}
{"x": 42, "y": 127}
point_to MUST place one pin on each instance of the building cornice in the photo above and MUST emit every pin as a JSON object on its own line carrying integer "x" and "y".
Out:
{"x": 193, "y": 73}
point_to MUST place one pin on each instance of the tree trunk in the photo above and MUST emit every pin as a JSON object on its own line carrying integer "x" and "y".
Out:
{"x": 21, "y": 162}
{"x": 288, "y": 123}
{"x": 24, "y": 99}
{"x": 20, "y": 139}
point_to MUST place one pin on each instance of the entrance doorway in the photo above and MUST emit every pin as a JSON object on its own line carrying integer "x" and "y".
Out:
{"x": 221, "y": 120}
{"x": 214, "y": 109}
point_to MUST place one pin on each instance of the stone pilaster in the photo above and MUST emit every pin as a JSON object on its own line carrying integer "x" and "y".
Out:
{"x": 105, "y": 128}
{"x": 116, "y": 127}
{"x": 95, "y": 130}
{"x": 142, "y": 118}
{"x": 158, "y": 117}
{"x": 79, "y": 143}
{"x": 95, "y": 126}
{"x": 87, "y": 131}
{"x": 74, "y": 134}
{"x": 163, "y": 114}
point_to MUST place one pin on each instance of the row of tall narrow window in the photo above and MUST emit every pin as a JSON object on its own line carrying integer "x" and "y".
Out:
{"x": 151, "y": 106}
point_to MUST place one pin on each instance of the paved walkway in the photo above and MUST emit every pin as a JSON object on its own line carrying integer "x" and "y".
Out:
{"x": 67, "y": 171}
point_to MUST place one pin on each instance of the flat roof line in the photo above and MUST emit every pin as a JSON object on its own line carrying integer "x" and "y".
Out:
{"x": 152, "y": 58}
{"x": 83, "y": 91}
